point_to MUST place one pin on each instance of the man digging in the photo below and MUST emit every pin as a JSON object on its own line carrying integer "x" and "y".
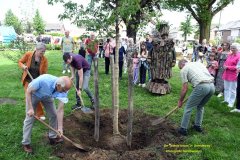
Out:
{"x": 43, "y": 89}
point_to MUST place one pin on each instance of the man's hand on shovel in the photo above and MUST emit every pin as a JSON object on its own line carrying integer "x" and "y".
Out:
{"x": 180, "y": 103}
{"x": 30, "y": 112}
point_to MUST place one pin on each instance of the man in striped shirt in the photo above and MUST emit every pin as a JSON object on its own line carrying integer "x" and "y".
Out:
{"x": 203, "y": 88}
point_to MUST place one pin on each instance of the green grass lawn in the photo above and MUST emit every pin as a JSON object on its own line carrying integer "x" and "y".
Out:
{"x": 222, "y": 127}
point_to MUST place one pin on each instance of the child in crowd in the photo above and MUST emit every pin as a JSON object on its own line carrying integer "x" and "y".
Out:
{"x": 143, "y": 64}
{"x": 135, "y": 67}
{"x": 212, "y": 65}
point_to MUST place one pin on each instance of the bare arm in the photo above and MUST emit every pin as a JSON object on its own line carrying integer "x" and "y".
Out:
{"x": 80, "y": 74}
{"x": 30, "y": 110}
{"x": 60, "y": 114}
{"x": 183, "y": 94}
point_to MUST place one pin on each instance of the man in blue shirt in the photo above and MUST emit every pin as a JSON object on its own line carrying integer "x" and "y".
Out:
{"x": 44, "y": 89}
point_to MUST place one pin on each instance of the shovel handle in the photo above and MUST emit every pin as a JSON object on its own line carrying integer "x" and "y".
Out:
{"x": 29, "y": 74}
{"x": 77, "y": 91}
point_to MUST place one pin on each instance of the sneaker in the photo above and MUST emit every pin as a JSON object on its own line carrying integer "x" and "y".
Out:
{"x": 143, "y": 85}
{"x": 182, "y": 131}
{"x": 76, "y": 107}
{"x": 235, "y": 110}
{"x": 68, "y": 71}
{"x": 230, "y": 105}
{"x": 139, "y": 84}
{"x": 42, "y": 118}
{"x": 220, "y": 95}
{"x": 64, "y": 71}
{"x": 197, "y": 128}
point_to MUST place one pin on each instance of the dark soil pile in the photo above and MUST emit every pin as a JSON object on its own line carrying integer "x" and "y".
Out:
{"x": 147, "y": 141}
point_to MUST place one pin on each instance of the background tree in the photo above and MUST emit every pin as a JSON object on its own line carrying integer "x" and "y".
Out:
{"x": 202, "y": 11}
{"x": 186, "y": 27}
{"x": 12, "y": 20}
{"x": 38, "y": 23}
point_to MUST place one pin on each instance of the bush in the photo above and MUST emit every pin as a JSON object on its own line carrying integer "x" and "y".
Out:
{"x": 53, "y": 47}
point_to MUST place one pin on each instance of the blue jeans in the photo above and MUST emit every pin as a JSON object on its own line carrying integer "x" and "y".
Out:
{"x": 198, "y": 98}
{"x": 194, "y": 56}
{"x": 86, "y": 78}
{"x": 90, "y": 59}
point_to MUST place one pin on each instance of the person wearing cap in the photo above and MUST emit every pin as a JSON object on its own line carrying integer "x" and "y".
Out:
{"x": 45, "y": 89}
{"x": 203, "y": 88}
{"x": 37, "y": 64}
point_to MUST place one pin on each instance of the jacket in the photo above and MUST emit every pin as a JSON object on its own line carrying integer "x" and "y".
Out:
{"x": 26, "y": 60}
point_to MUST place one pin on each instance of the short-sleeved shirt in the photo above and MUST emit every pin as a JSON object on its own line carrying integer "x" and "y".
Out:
{"x": 79, "y": 62}
{"x": 92, "y": 46}
{"x": 45, "y": 87}
{"x": 67, "y": 44}
{"x": 195, "y": 73}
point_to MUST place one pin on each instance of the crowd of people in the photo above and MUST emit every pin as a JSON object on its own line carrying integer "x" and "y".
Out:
{"x": 218, "y": 72}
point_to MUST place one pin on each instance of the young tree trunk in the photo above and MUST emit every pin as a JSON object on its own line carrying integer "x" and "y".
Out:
{"x": 96, "y": 101}
{"x": 116, "y": 71}
{"x": 130, "y": 102}
{"x": 204, "y": 30}
{"x": 113, "y": 83}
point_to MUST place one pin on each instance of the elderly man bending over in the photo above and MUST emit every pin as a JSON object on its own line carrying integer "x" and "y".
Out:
{"x": 44, "y": 89}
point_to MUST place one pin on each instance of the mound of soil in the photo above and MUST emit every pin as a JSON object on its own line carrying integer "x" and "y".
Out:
{"x": 147, "y": 141}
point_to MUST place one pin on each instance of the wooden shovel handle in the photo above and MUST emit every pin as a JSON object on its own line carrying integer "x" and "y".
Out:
{"x": 77, "y": 91}
{"x": 29, "y": 74}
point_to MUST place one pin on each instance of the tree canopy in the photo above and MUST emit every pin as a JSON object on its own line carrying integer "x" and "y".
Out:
{"x": 186, "y": 27}
{"x": 202, "y": 11}
{"x": 38, "y": 23}
{"x": 12, "y": 20}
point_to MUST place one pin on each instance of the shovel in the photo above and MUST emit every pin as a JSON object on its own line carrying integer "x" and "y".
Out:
{"x": 84, "y": 109}
{"x": 64, "y": 137}
{"x": 160, "y": 120}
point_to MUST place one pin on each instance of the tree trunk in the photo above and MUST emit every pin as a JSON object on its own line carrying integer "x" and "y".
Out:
{"x": 96, "y": 103}
{"x": 113, "y": 83}
{"x": 130, "y": 102}
{"x": 132, "y": 25}
{"x": 204, "y": 29}
{"x": 116, "y": 72}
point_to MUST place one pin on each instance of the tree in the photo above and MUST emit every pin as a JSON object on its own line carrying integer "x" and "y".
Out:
{"x": 38, "y": 23}
{"x": 202, "y": 11}
{"x": 186, "y": 27}
{"x": 12, "y": 20}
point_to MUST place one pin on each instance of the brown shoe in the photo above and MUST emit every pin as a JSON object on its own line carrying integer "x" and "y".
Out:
{"x": 56, "y": 140}
{"x": 27, "y": 148}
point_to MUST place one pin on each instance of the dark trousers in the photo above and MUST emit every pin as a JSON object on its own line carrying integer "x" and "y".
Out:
{"x": 142, "y": 74}
{"x": 107, "y": 63}
{"x": 120, "y": 68}
{"x": 238, "y": 92}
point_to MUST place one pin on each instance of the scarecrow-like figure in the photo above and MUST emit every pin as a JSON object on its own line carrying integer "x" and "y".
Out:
{"x": 161, "y": 59}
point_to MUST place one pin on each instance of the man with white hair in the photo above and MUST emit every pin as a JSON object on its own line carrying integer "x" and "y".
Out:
{"x": 67, "y": 47}
{"x": 203, "y": 88}
{"x": 43, "y": 89}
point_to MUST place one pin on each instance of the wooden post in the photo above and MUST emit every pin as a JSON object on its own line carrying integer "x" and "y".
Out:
{"x": 130, "y": 102}
{"x": 96, "y": 101}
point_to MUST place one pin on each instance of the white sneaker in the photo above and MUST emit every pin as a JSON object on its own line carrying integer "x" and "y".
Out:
{"x": 139, "y": 84}
{"x": 230, "y": 105}
{"x": 43, "y": 118}
{"x": 64, "y": 71}
{"x": 220, "y": 95}
{"x": 68, "y": 71}
{"x": 143, "y": 85}
{"x": 235, "y": 110}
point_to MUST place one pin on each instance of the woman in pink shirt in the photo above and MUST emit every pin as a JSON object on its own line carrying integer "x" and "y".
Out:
{"x": 230, "y": 76}
{"x": 108, "y": 50}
